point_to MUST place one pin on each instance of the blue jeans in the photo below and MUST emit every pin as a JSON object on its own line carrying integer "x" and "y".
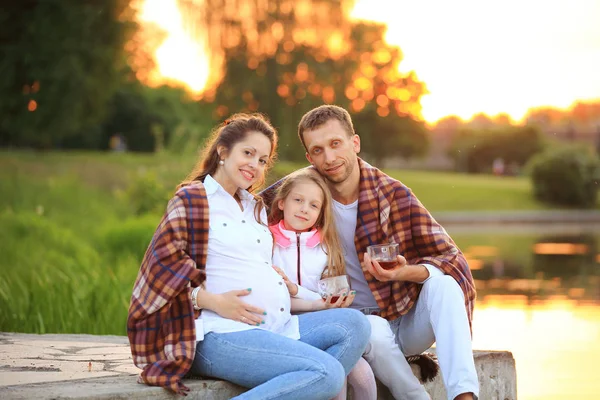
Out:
{"x": 276, "y": 367}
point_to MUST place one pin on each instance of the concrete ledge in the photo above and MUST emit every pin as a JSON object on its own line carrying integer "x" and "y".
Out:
{"x": 497, "y": 375}
{"x": 58, "y": 367}
{"x": 121, "y": 388}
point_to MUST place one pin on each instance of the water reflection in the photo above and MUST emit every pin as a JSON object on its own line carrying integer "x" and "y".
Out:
{"x": 555, "y": 343}
{"x": 539, "y": 297}
{"x": 537, "y": 267}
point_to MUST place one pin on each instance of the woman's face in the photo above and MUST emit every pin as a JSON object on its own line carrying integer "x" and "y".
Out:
{"x": 245, "y": 163}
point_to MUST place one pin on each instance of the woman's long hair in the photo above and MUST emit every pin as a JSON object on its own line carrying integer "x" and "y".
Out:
{"x": 325, "y": 222}
{"x": 231, "y": 131}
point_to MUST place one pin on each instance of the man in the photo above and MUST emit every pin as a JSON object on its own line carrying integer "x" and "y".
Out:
{"x": 428, "y": 297}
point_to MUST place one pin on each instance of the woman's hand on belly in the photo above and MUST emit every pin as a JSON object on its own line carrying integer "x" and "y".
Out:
{"x": 230, "y": 305}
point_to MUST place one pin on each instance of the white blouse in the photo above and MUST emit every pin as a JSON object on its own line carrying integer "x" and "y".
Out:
{"x": 239, "y": 257}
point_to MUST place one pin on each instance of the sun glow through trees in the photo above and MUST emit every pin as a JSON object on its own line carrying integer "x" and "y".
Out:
{"x": 491, "y": 57}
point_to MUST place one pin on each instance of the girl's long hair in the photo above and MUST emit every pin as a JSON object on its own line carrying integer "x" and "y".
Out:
{"x": 330, "y": 240}
{"x": 231, "y": 131}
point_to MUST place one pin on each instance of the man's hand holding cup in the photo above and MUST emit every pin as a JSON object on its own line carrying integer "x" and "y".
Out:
{"x": 384, "y": 262}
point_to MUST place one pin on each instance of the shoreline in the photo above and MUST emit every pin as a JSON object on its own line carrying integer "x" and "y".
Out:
{"x": 571, "y": 222}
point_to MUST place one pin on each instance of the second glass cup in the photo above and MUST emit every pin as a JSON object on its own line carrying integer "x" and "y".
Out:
{"x": 335, "y": 286}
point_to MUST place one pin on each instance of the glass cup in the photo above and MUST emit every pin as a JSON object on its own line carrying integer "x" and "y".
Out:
{"x": 335, "y": 286}
{"x": 384, "y": 254}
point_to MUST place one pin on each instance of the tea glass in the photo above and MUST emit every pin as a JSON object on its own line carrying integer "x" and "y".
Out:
{"x": 384, "y": 254}
{"x": 335, "y": 286}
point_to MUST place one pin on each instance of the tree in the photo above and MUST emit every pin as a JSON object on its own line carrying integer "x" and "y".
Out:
{"x": 386, "y": 104}
{"x": 566, "y": 175}
{"x": 149, "y": 118}
{"x": 61, "y": 63}
{"x": 474, "y": 150}
{"x": 285, "y": 57}
{"x": 391, "y": 136}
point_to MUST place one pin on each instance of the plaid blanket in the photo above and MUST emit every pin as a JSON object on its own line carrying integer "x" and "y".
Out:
{"x": 388, "y": 211}
{"x": 160, "y": 324}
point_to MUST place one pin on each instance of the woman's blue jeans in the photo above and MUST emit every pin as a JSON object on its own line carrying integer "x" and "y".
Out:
{"x": 276, "y": 367}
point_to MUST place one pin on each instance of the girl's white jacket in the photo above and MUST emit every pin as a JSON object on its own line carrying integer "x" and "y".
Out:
{"x": 301, "y": 257}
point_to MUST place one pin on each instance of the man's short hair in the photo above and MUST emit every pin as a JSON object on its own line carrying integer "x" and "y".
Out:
{"x": 320, "y": 116}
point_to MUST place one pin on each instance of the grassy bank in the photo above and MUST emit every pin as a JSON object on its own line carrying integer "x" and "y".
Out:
{"x": 75, "y": 226}
{"x": 439, "y": 191}
{"x": 447, "y": 191}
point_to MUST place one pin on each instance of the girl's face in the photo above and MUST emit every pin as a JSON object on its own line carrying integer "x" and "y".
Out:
{"x": 302, "y": 206}
{"x": 245, "y": 163}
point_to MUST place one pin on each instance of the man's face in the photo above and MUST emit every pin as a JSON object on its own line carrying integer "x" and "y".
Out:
{"x": 331, "y": 151}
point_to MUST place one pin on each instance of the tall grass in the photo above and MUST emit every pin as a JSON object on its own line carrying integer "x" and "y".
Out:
{"x": 69, "y": 253}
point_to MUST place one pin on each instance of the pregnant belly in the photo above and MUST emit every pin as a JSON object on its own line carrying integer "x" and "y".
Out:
{"x": 268, "y": 292}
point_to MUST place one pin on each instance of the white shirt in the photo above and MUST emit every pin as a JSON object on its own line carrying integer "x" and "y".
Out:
{"x": 313, "y": 260}
{"x": 239, "y": 257}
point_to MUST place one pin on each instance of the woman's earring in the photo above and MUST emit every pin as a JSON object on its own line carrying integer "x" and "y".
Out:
{"x": 221, "y": 162}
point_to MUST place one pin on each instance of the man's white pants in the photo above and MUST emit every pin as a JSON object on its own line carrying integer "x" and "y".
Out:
{"x": 438, "y": 316}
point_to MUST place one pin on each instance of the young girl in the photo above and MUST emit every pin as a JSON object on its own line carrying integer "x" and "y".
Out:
{"x": 207, "y": 300}
{"x": 307, "y": 249}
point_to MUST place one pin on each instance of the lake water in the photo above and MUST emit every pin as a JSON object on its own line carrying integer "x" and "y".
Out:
{"x": 539, "y": 297}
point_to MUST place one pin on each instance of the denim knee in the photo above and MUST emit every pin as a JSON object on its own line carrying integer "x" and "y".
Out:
{"x": 359, "y": 324}
{"x": 333, "y": 378}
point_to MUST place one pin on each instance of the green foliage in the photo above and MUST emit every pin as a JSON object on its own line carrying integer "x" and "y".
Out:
{"x": 474, "y": 150}
{"x": 152, "y": 119}
{"x": 60, "y": 270}
{"x": 183, "y": 122}
{"x": 54, "y": 281}
{"x": 64, "y": 200}
{"x": 390, "y": 137}
{"x": 68, "y": 82}
{"x": 43, "y": 264}
{"x": 61, "y": 62}
{"x": 146, "y": 194}
{"x": 130, "y": 116}
{"x": 566, "y": 175}
{"x": 187, "y": 139}
{"x": 128, "y": 238}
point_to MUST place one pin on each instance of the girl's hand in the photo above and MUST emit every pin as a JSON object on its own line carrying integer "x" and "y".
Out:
{"x": 230, "y": 305}
{"x": 343, "y": 300}
{"x": 347, "y": 301}
{"x": 291, "y": 286}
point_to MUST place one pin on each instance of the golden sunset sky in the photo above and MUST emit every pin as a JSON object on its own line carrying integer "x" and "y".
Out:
{"x": 475, "y": 56}
{"x": 495, "y": 56}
